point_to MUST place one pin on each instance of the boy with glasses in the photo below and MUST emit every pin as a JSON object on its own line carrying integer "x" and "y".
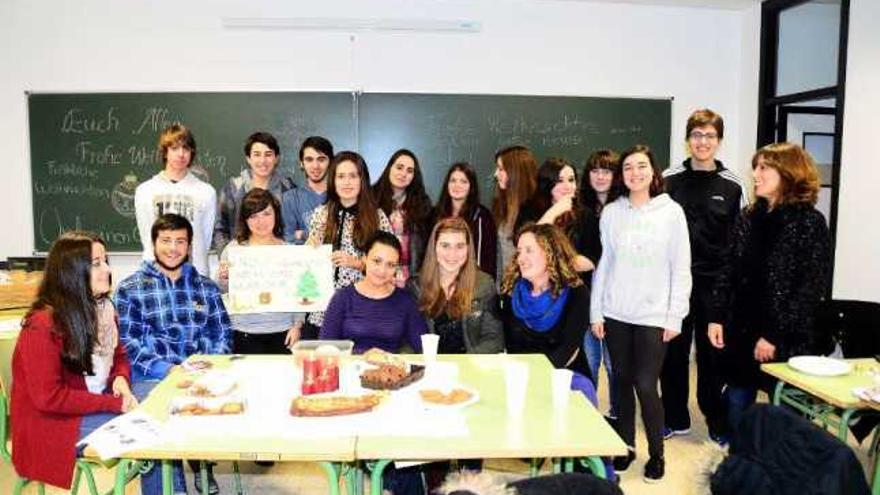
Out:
{"x": 712, "y": 197}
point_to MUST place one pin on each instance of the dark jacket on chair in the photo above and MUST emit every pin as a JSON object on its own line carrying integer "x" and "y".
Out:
{"x": 773, "y": 451}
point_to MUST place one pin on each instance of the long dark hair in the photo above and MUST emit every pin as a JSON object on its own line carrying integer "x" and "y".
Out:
{"x": 255, "y": 201}
{"x": 417, "y": 204}
{"x": 542, "y": 200}
{"x": 367, "y": 221}
{"x": 603, "y": 159}
{"x": 444, "y": 203}
{"x": 66, "y": 291}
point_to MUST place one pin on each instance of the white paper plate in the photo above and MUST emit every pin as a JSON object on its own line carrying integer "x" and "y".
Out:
{"x": 475, "y": 397}
{"x": 820, "y": 365}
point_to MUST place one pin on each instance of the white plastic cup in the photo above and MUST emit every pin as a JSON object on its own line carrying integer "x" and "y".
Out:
{"x": 516, "y": 379}
{"x": 430, "y": 341}
{"x": 560, "y": 385}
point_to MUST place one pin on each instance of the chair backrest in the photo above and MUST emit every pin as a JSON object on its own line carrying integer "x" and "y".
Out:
{"x": 855, "y": 325}
{"x": 7, "y": 346}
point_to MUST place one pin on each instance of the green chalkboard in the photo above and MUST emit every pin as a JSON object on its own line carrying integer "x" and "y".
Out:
{"x": 442, "y": 129}
{"x": 89, "y": 151}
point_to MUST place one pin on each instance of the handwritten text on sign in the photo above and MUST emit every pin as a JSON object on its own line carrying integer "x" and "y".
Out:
{"x": 279, "y": 278}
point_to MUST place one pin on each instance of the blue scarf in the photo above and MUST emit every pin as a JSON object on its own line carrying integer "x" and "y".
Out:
{"x": 541, "y": 312}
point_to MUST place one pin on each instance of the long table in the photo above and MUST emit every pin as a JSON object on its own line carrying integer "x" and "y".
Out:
{"x": 827, "y": 399}
{"x": 578, "y": 431}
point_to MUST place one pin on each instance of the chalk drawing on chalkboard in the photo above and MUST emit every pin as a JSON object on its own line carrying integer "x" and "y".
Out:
{"x": 122, "y": 196}
{"x": 201, "y": 172}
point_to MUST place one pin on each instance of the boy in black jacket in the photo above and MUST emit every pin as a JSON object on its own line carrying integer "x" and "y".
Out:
{"x": 712, "y": 197}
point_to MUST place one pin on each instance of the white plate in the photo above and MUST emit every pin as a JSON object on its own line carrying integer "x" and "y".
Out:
{"x": 820, "y": 365}
{"x": 475, "y": 397}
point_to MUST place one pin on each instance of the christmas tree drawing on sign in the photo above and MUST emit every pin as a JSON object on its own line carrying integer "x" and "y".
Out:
{"x": 307, "y": 288}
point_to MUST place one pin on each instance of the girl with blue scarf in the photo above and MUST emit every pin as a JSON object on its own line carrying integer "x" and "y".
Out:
{"x": 545, "y": 306}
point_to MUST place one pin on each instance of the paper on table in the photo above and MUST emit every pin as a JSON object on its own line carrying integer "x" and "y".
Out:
{"x": 132, "y": 431}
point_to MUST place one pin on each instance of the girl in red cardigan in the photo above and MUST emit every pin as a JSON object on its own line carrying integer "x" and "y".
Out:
{"x": 68, "y": 366}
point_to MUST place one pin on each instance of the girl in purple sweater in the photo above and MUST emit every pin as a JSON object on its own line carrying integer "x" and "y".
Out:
{"x": 374, "y": 312}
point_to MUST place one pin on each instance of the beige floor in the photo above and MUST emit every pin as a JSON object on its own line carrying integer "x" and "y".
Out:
{"x": 684, "y": 456}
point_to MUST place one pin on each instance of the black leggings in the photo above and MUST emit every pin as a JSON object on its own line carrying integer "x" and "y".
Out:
{"x": 637, "y": 353}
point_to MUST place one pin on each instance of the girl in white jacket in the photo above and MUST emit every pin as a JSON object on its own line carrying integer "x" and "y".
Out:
{"x": 641, "y": 291}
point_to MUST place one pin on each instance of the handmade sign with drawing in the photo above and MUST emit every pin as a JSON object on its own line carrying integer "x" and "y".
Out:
{"x": 279, "y": 278}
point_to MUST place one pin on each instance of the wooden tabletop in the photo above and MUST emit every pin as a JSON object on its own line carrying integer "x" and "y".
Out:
{"x": 835, "y": 390}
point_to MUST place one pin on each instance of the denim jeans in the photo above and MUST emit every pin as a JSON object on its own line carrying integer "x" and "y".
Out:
{"x": 596, "y": 351}
{"x": 738, "y": 400}
{"x": 151, "y": 481}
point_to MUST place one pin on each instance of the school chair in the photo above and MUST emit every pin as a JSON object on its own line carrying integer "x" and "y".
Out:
{"x": 83, "y": 467}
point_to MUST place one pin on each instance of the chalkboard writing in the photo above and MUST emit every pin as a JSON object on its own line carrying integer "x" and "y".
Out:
{"x": 442, "y": 129}
{"x": 90, "y": 151}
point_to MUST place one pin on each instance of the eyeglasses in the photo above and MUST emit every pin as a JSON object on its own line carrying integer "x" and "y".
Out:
{"x": 699, "y": 136}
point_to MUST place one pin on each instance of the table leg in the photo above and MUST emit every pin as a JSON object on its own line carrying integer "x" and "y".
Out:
{"x": 376, "y": 470}
{"x": 595, "y": 465}
{"x": 121, "y": 476}
{"x": 844, "y": 424}
{"x": 777, "y": 393}
{"x": 353, "y": 476}
{"x": 557, "y": 465}
{"x": 167, "y": 478}
{"x": 535, "y": 466}
{"x": 875, "y": 483}
{"x": 332, "y": 476}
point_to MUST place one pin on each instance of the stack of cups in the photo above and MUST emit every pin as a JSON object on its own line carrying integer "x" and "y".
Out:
{"x": 516, "y": 379}
{"x": 429, "y": 347}
{"x": 560, "y": 385}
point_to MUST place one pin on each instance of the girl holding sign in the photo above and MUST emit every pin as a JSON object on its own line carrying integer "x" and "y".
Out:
{"x": 259, "y": 224}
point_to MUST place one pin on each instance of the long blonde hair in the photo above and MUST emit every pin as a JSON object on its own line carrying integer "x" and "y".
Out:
{"x": 432, "y": 301}
{"x": 559, "y": 255}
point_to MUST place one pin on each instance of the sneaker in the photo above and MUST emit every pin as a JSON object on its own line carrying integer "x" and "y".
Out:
{"x": 670, "y": 432}
{"x": 721, "y": 440}
{"x": 621, "y": 463}
{"x": 655, "y": 468}
{"x": 213, "y": 488}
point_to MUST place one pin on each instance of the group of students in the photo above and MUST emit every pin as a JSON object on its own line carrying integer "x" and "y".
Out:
{"x": 627, "y": 267}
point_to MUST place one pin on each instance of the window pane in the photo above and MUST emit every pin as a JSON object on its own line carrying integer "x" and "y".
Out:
{"x": 807, "y": 52}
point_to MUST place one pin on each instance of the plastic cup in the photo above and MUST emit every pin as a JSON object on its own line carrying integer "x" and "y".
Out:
{"x": 430, "y": 341}
{"x": 516, "y": 379}
{"x": 560, "y": 385}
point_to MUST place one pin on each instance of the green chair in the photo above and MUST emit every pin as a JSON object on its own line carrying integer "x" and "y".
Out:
{"x": 83, "y": 466}
{"x": 7, "y": 345}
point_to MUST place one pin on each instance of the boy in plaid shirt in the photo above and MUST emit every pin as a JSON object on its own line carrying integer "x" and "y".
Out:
{"x": 168, "y": 312}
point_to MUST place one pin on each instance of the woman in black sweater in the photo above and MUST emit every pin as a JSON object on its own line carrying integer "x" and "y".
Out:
{"x": 545, "y": 304}
{"x": 775, "y": 274}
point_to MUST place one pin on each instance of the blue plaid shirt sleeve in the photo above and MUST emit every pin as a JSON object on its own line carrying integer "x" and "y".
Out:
{"x": 136, "y": 335}
{"x": 218, "y": 328}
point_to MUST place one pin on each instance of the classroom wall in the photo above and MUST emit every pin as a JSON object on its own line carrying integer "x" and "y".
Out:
{"x": 857, "y": 269}
{"x": 701, "y": 56}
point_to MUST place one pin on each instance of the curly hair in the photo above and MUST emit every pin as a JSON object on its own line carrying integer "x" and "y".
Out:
{"x": 558, "y": 252}
{"x": 799, "y": 179}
